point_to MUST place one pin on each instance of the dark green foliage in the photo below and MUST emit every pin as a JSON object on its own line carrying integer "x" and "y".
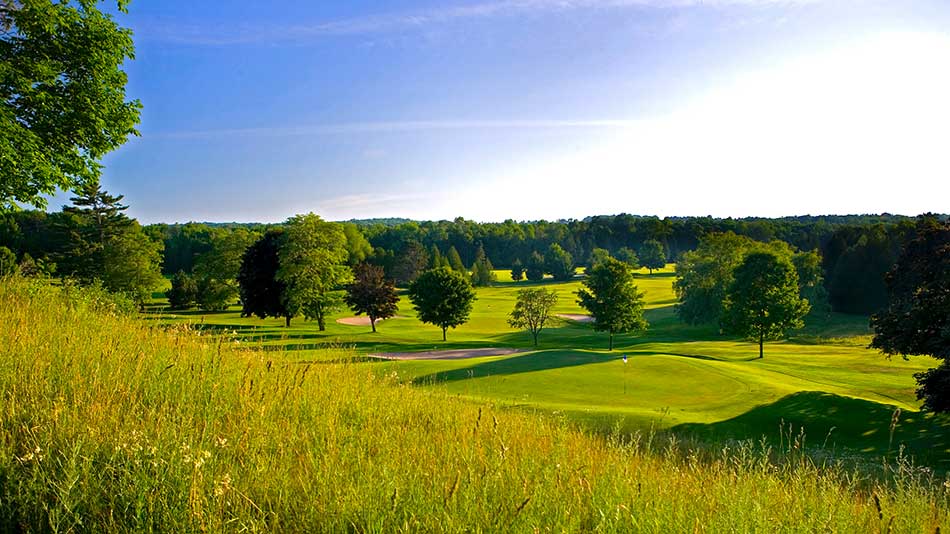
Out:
{"x": 629, "y": 256}
{"x": 652, "y": 255}
{"x": 184, "y": 292}
{"x": 559, "y": 263}
{"x": 612, "y": 299}
{"x": 313, "y": 267}
{"x": 131, "y": 264}
{"x": 215, "y": 294}
{"x": 62, "y": 93}
{"x": 455, "y": 261}
{"x": 703, "y": 276}
{"x": 533, "y": 310}
{"x": 535, "y": 268}
{"x": 517, "y": 271}
{"x": 372, "y": 294}
{"x": 262, "y": 295}
{"x": 856, "y": 279}
{"x": 596, "y": 257}
{"x": 916, "y": 320}
{"x": 436, "y": 259}
{"x": 442, "y": 297}
{"x": 410, "y": 263}
{"x": 811, "y": 280}
{"x": 763, "y": 300}
{"x": 7, "y": 261}
{"x": 482, "y": 270}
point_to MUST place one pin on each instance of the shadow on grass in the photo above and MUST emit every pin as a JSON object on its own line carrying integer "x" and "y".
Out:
{"x": 842, "y": 424}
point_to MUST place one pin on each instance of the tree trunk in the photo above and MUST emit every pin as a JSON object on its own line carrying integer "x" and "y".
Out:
{"x": 287, "y": 321}
{"x": 611, "y": 342}
{"x": 535, "y": 335}
{"x": 443, "y": 333}
{"x": 761, "y": 341}
{"x": 372, "y": 322}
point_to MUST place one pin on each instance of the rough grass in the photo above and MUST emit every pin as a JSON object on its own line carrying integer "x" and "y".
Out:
{"x": 691, "y": 379}
{"x": 107, "y": 424}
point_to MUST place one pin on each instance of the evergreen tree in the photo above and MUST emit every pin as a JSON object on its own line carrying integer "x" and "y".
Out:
{"x": 455, "y": 261}
{"x": 436, "y": 260}
{"x": 482, "y": 270}
{"x": 412, "y": 262}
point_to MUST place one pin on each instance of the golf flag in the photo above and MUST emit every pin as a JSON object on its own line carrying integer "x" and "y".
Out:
{"x": 624, "y": 358}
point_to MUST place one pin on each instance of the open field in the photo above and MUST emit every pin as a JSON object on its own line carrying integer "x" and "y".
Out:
{"x": 689, "y": 379}
{"x": 109, "y": 425}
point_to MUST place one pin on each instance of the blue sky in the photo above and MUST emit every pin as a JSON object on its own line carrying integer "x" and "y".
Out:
{"x": 526, "y": 109}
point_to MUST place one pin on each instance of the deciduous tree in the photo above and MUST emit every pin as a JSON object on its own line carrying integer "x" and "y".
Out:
{"x": 916, "y": 320}
{"x": 763, "y": 301}
{"x": 612, "y": 299}
{"x": 262, "y": 294}
{"x": 517, "y": 271}
{"x": 535, "y": 268}
{"x": 62, "y": 95}
{"x": 442, "y": 297}
{"x": 313, "y": 268}
{"x": 653, "y": 255}
{"x": 371, "y": 293}
{"x": 559, "y": 263}
{"x": 533, "y": 310}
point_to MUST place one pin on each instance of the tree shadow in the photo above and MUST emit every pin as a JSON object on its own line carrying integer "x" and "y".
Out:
{"x": 842, "y": 424}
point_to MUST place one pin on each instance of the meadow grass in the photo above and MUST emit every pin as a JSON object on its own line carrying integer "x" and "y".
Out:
{"x": 108, "y": 424}
{"x": 691, "y": 380}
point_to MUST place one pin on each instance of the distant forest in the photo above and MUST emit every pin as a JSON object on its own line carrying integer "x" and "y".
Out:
{"x": 856, "y": 250}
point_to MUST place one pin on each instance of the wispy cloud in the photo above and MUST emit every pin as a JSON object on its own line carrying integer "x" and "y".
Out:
{"x": 402, "y": 21}
{"x": 395, "y": 127}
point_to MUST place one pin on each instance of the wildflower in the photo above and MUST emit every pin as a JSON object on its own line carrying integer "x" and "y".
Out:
{"x": 221, "y": 442}
{"x": 222, "y": 485}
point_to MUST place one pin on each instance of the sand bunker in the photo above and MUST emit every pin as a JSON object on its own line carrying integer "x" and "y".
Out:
{"x": 579, "y": 317}
{"x": 457, "y": 354}
{"x": 358, "y": 321}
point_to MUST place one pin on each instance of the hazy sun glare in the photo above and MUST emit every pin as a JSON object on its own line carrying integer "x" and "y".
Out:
{"x": 831, "y": 133}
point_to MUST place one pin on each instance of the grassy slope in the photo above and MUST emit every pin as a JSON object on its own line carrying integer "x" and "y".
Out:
{"x": 688, "y": 378}
{"x": 109, "y": 425}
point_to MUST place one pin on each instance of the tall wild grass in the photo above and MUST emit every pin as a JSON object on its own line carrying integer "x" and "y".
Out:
{"x": 108, "y": 424}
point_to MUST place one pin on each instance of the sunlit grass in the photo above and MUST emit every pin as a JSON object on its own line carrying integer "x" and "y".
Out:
{"x": 108, "y": 424}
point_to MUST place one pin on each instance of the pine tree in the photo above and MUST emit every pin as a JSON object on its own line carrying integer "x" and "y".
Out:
{"x": 455, "y": 261}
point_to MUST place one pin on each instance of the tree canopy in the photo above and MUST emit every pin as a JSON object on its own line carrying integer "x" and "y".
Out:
{"x": 916, "y": 320}
{"x": 763, "y": 300}
{"x": 611, "y": 297}
{"x": 312, "y": 267}
{"x": 262, "y": 294}
{"x": 559, "y": 263}
{"x": 442, "y": 297}
{"x": 62, "y": 96}
{"x": 533, "y": 309}
{"x": 371, "y": 293}
{"x": 652, "y": 255}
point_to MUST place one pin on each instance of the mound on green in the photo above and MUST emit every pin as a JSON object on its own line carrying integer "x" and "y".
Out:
{"x": 108, "y": 424}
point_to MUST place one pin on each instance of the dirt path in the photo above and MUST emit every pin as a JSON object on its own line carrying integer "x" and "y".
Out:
{"x": 457, "y": 354}
{"x": 579, "y": 317}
